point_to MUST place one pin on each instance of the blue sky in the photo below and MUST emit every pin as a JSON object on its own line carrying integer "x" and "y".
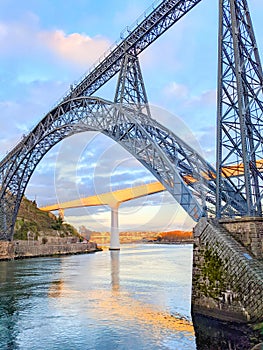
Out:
{"x": 46, "y": 45}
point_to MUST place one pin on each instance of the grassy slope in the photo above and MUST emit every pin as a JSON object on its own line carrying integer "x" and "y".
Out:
{"x": 33, "y": 220}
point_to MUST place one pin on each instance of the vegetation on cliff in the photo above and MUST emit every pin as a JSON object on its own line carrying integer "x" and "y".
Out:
{"x": 34, "y": 222}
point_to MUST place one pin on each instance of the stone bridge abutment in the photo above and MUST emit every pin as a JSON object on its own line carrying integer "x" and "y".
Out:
{"x": 228, "y": 269}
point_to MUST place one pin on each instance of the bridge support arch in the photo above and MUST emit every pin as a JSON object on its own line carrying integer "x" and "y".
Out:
{"x": 182, "y": 171}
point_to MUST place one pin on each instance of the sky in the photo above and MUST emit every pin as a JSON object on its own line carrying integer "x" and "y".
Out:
{"x": 47, "y": 45}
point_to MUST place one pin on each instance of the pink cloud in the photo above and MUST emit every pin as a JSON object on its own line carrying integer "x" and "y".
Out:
{"x": 26, "y": 37}
{"x": 76, "y": 48}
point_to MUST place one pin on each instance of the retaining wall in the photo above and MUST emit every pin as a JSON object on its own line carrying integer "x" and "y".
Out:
{"x": 227, "y": 279}
{"x": 23, "y": 249}
{"x": 248, "y": 231}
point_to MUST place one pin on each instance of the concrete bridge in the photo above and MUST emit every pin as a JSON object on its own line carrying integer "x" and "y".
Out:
{"x": 113, "y": 200}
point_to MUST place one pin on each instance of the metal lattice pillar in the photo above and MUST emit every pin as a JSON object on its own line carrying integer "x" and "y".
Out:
{"x": 130, "y": 87}
{"x": 240, "y": 109}
{"x": 9, "y": 205}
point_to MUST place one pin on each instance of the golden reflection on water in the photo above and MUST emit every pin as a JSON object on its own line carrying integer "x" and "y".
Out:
{"x": 116, "y": 304}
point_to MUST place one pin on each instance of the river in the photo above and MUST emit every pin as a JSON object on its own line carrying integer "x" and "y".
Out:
{"x": 138, "y": 298}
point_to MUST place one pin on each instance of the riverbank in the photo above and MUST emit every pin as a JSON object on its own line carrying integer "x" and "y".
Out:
{"x": 128, "y": 237}
{"x": 183, "y": 241}
{"x": 24, "y": 249}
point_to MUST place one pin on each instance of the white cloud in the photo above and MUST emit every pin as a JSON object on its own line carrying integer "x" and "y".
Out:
{"x": 3, "y": 31}
{"x": 33, "y": 99}
{"x": 176, "y": 90}
{"x": 206, "y": 98}
{"x": 183, "y": 92}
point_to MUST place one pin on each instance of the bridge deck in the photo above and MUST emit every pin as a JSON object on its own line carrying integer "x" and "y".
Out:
{"x": 111, "y": 198}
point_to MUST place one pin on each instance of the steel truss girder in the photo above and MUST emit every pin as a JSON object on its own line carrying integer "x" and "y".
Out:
{"x": 168, "y": 158}
{"x": 240, "y": 108}
{"x": 153, "y": 26}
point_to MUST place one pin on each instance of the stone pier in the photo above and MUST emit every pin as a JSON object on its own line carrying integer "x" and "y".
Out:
{"x": 228, "y": 270}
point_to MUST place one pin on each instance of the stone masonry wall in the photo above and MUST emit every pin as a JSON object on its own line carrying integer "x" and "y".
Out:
{"x": 247, "y": 231}
{"x": 227, "y": 279}
{"x": 21, "y": 249}
{"x": 6, "y": 250}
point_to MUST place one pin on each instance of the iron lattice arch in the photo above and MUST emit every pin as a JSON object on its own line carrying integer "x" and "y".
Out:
{"x": 183, "y": 172}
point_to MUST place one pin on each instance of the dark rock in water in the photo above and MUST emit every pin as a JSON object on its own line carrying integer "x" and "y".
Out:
{"x": 212, "y": 334}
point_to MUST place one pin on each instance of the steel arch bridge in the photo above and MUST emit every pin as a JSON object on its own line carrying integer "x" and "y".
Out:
{"x": 195, "y": 184}
{"x": 182, "y": 171}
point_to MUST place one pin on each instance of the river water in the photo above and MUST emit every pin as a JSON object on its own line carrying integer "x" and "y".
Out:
{"x": 138, "y": 298}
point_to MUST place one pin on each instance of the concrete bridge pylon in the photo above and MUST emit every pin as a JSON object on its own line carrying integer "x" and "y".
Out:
{"x": 114, "y": 234}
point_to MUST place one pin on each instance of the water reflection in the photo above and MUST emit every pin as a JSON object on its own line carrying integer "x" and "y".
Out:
{"x": 115, "y": 269}
{"x": 130, "y": 308}
{"x": 136, "y": 298}
{"x": 118, "y": 304}
{"x": 19, "y": 282}
{"x": 8, "y": 306}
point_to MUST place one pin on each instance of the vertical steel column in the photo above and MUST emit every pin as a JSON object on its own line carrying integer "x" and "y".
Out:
{"x": 130, "y": 86}
{"x": 240, "y": 109}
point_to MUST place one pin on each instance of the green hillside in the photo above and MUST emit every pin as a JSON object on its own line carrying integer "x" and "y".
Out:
{"x": 35, "y": 222}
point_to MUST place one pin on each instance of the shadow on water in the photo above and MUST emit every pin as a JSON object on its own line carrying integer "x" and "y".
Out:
{"x": 8, "y": 307}
{"x": 19, "y": 281}
{"x": 216, "y": 335}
